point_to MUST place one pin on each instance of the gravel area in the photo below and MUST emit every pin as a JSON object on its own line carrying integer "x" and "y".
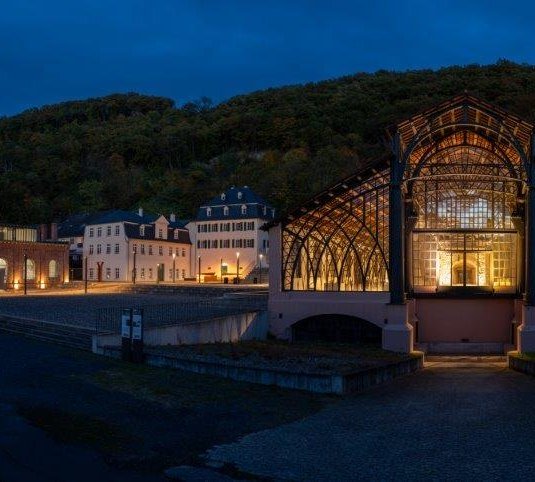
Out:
{"x": 80, "y": 310}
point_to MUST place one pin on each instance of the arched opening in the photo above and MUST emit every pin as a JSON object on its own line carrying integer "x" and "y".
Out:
{"x": 3, "y": 274}
{"x": 30, "y": 269}
{"x": 53, "y": 269}
{"x": 336, "y": 329}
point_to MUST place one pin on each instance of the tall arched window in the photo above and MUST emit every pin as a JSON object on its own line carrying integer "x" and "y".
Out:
{"x": 53, "y": 269}
{"x": 30, "y": 269}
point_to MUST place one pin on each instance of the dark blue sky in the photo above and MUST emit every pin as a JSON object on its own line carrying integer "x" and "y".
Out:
{"x": 55, "y": 50}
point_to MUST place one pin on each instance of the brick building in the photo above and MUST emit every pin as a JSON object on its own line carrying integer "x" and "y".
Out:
{"x": 46, "y": 260}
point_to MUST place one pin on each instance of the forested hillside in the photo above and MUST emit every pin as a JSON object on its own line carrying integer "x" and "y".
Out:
{"x": 122, "y": 151}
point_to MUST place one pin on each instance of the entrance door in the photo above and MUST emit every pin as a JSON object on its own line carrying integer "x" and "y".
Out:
{"x": 161, "y": 272}
{"x": 3, "y": 274}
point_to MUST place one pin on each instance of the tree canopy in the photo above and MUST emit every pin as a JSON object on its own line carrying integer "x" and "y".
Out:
{"x": 287, "y": 143}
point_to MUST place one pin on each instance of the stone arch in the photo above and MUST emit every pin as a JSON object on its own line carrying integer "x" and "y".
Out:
{"x": 336, "y": 328}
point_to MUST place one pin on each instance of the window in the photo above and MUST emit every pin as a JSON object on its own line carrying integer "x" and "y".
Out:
{"x": 239, "y": 226}
{"x": 170, "y": 251}
{"x": 170, "y": 273}
{"x": 183, "y": 252}
{"x": 198, "y": 244}
{"x": 160, "y": 250}
{"x": 30, "y": 269}
{"x": 225, "y": 211}
{"x": 142, "y": 273}
{"x": 223, "y": 197}
{"x": 134, "y": 248}
{"x": 150, "y": 273}
{"x": 142, "y": 230}
{"x": 198, "y": 228}
{"x": 142, "y": 249}
{"x": 175, "y": 234}
{"x": 91, "y": 232}
{"x": 91, "y": 249}
{"x": 183, "y": 274}
{"x": 117, "y": 273}
{"x": 99, "y": 248}
{"x": 117, "y": 248}
{"x": 214, "y": 243}
{"x": 108, "y": 248}
{"x": 99, "y": 232}
{"x": 244, "y": 209}
{"x": 226, "y": 243}
{"x": 160, "y": 233}
{"x": 215, "y": 228}
{"x": 249, "y": 243}
{"x": 250, "y": 226}
{"x": 53, "y": 269}
{"x": 208, "y": 212}
{"x": 91, "y": 273}
{"x": 240, "y": 195}
{"x": 108, "y": 230}
{"x": 117, "y": 230}
{"x": 150, "y": 249}
{"x": 108, "y": 273}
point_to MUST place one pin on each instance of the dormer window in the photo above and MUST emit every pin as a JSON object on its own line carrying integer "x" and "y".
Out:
{"x": 240, "y": 194}
{"x": 244, "y": 209}
{"x": 225, "y": 211}
{"x": 142, "y": 230}
{"x": 160, "y": 233}
{"x": 175, "y": 234}
{"x": 223, "y": 197}
{"x": 208, "y": 212}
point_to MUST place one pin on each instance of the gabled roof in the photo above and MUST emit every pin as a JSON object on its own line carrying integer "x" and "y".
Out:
{"x": 233, "y": 199}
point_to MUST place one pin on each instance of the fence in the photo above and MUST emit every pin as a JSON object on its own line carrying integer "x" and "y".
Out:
{"x": 108, "y": 320}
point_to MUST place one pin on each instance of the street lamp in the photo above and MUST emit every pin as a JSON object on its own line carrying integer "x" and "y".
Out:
{"x": 174, "y": 274}
{"x": 261, "y": 256}
{"x": 25, "y": 273}
{"x": 134, "y": 271}
{"x": 85, "y": 274}
{"x": 158, "y": 274}
{"x": 238, "y": 267}
{"x": 199, "y": 269}
{"x": 221, "y": 269}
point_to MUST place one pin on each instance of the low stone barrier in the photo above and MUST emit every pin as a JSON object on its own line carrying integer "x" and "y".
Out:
{"x": 335, "y": 383}
{"x": 519, "y": 364}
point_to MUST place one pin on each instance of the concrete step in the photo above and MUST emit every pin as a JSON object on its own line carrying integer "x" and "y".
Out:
{"x": 74, "y": 337}
{"x": 447, "y": 348}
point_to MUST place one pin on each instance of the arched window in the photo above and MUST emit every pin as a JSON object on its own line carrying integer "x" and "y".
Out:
{"x": 53, "y": 269}
{"x": 3, "y": 273}
{"x": 30, "y": 269}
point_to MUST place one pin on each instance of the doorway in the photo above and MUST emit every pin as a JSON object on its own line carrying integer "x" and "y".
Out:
{"x": 3, "y": 274}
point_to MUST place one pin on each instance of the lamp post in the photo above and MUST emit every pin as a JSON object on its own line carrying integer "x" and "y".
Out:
{"x": 174, "y": 274}
{"x": 260, "y": 276}
{"x": 199, "y": 260}
{"x": 238, "y": 267}
{"x": 221, "y": 269}
{"x": 158, "y": 274}
{"x": 85, "y": 274}
{"x": 134, "y": 271}
{"x": 25, "y": 273}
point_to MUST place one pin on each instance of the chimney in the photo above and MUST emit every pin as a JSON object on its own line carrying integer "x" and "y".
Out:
{"x": 54, "y": 231}
{"x": 172, "y": 217}
{"x": 42, "y": 232}
{"x": 140, "y": 212}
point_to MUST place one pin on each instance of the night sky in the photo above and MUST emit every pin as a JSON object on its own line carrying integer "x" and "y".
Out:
{"x": 51, "y": 51}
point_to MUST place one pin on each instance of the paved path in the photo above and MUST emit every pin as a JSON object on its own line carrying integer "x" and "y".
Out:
{"x": 463, "y": 422}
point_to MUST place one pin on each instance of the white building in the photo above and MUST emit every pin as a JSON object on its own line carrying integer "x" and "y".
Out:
{"x": 227, "y": 241}
{"x": 121, "y": 246}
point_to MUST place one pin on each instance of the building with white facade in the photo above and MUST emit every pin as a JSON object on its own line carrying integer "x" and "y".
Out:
{"x": 227, "y": 241}
{"x": 126, "y": 246}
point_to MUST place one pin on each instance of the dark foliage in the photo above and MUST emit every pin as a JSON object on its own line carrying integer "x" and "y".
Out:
{"x": 122, "y": 151}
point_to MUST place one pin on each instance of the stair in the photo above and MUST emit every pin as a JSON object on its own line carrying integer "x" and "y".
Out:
{"x": 447, "y": 348}
{"x": 65, "y": 335}
{"x": 255, "y": 273}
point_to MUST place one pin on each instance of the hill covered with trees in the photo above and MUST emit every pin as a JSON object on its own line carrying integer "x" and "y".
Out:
{"x": 126, "y": 150}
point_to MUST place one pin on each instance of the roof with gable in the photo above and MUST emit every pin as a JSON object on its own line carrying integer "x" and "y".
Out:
{"x": 233, "y": 199}
{"x": 75, "y": 224}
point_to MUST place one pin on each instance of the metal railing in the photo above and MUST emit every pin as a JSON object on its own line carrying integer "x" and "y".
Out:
{"x": 108, "y": 320}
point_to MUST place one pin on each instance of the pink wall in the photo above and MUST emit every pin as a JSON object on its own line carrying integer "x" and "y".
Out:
{"x": 478, "y": 320}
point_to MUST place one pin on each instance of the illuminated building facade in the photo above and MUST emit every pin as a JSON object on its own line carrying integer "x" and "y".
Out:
{"x": 431, "y": 244}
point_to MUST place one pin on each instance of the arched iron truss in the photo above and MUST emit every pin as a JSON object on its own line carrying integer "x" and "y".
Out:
{"x": 340, "y": 244}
